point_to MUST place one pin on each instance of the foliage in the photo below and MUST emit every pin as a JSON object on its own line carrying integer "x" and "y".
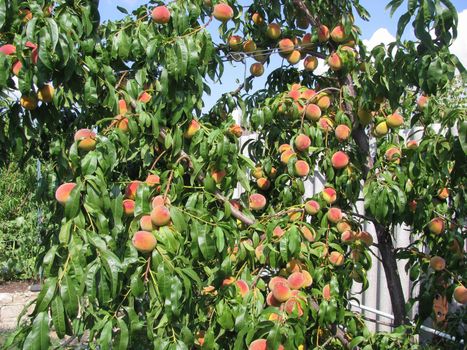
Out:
{"x": 208, "y": 281}
{"x": 18, "y": 223}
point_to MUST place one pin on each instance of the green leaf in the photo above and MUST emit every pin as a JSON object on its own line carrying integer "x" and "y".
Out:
{"x": 105, "y": 339}
{"x": 178, "y": 219}
{"x": 38, "y": 338}
{"x": 69, "y": 296}
{"x": 123, "y": 335}
{"x": 2, "y": 13}
{"x": 58, "y": 317}
{"x": 46, "y": 294}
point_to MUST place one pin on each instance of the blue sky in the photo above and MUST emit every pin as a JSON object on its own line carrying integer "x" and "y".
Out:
{"x": 381, "y": 28}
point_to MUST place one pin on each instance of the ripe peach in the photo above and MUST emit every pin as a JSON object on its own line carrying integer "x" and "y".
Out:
{"x": 347, "y": 237}
{"x": 242, "y": 287}
{"x": 278, "y": 232}
{"x": 443, "y": 194}
{"x": 307, "y": 41}
{"x": 329, "y": 195}
{"x": 249, "y": 46}
{"x": 308, "y": 279}
{"x": 257, "y": 202}
{"x": 327, "y": 292}
{"x": 281, "y": 292}
{"x": 294, "y": 94}
{"x": 236, "y": 130}
{"x": 223, "y": 12}
{"x": 160, "y": 215}
{"x": 159, "y": 200}
{"x": 302, "y": 142}
{"x": 132, "y": 187}
{"x": 275, "y": 280}
{"x": 271, "y": 301}
{"x": 312, "y": 207}
{"x": 365, "y": 237}
{"x": 307, "y": 233}
{"x": 259, "y": 251}
{"x": 263, "y": 183}
{"x": 286, "y": 155}
{"x": 343, "y": 225}
{"x": 295, "y": 215}
{"x": 335, "y": 62}
{"x": 8, "y": 49}
{"x": 257, "y": 173}
{"x": 296, "y": 280}
{"x": 153, "y": 180}
{"x": 310, "y": 63}
{"x": 160, "y": 15}
{"x": 34, "y": 55}
{"x": 301, "y": 168}
{"x": 437, "y": 263}
{"x": 144, "y": 97}
{"x": 381, "y": 129}
{"x": 218, "y": 175}
{"x": 128, "y": 207}
{"x": 86, "y": 139}
{"x": 334, "y": 215}
{"x": 308, "y": 94}
{"x": 121, "y": 122}
{"x": 323, "y": 33}
{"x": 257, "y": 69}
{"x": 338, "y": 34}
{"x": 294, "y": 57}
{"x": 436, "y": 225}
{"x": 29, "y": 102}
{"x": 393, "y": 154}
{"x": 342, "y": 132}
{"x": 412, "y": 144}
{"x": 339, "y": 160}
{"x": 122, "y": 107}
{"x": 336, "y": 258}
{"x": 286, "y": 46}
{"x": 16, "y": 68}
{"x": 257, "y": 18}
{"x": 274, "y": 316}
{"x": 192, "y": 129}
{"x": 274, "y": 31}
{"x": 146, "y": 223}
{"x": 62, "y": 194}
{"x": 394, "y": 120}
{"x": 364, "y": 116}
{"x": 294, "y": 265}
{"x": 284, "y": 147}
{"x": 325, "y": 124}
{"x": 46, "y": 93}
{"x": 324, "y": 101}
{"x": 292, "y": 305}
{"x": 313, "y": 112}
{"x": 422, "y": 102}
{"x": 144, "y": 241}
{"x": 460, "y": 295}
{"x": 235, "y": 42}
{"x": 228, "y": 281}
{"x": 261, "y": 344}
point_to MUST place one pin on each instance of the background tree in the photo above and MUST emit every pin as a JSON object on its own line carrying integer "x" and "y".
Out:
{"x": 147, "y": 248}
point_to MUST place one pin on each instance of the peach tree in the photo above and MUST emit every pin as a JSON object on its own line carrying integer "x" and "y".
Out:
{"x": 148, "y": 242}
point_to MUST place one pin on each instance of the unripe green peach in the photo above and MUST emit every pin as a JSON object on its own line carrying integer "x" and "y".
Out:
{"x": 364, "y": 116}
{"x": 381, "y": 129}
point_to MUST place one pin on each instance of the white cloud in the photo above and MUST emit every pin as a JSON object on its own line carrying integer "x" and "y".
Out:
{"x": 459, "y": 48}
{"x": 381, "y": 36}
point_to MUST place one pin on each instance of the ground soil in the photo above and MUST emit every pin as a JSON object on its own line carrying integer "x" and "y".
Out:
{"x": 15, "y": 286}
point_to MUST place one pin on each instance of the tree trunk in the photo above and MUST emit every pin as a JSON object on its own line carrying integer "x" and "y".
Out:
{"x": 391, "y": 271}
